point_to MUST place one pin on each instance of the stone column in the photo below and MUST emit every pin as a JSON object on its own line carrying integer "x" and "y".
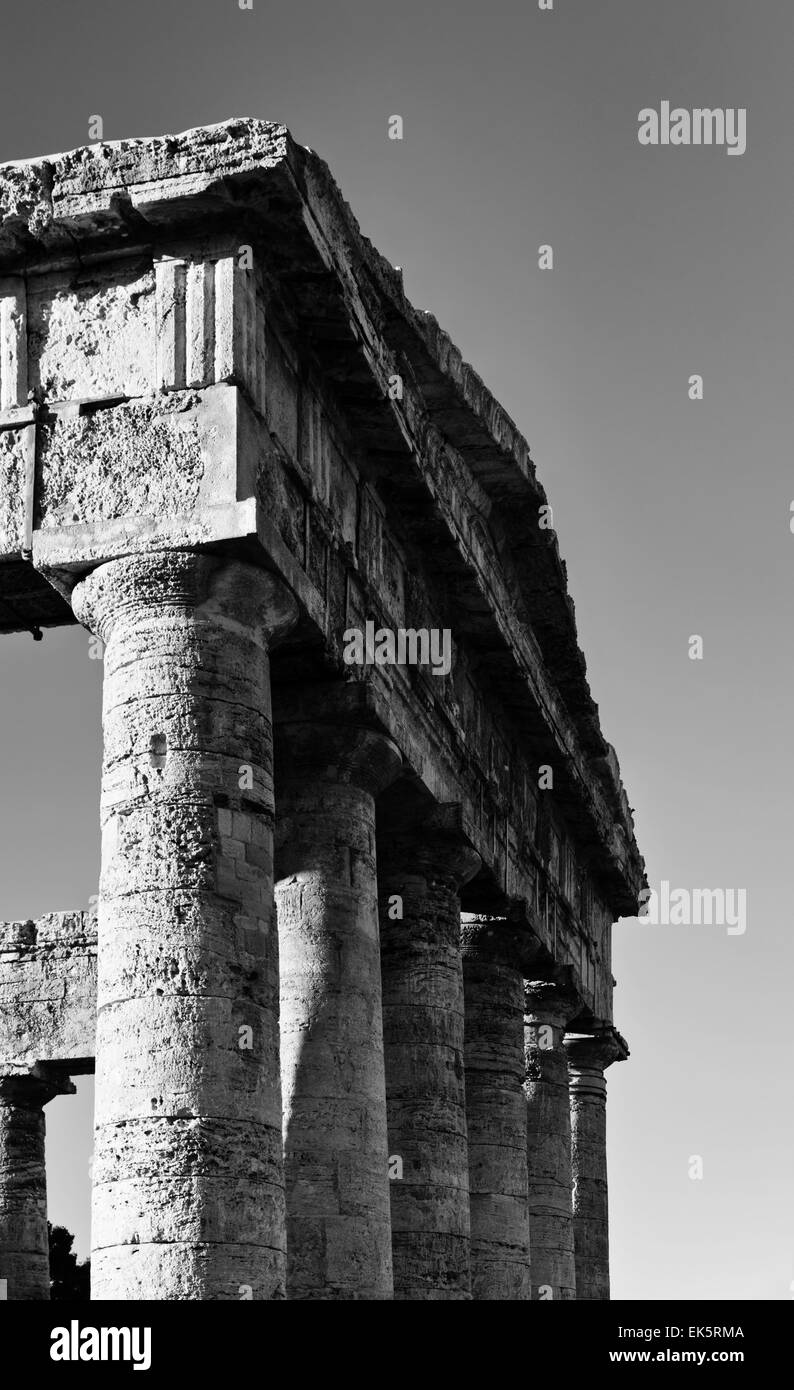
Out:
{"x": 188, "y": 1199}
{"x": 421, "y": 874}
{"x": 335, "y": 1149}
{"x": 548, "y": 1008}
{"x": 588, "y": 1057}
{"x": 496, "y": 1109}
{"x": 24, "y": 1248}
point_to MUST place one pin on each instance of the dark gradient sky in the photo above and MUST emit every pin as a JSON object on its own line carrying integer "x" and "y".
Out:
{"x": 673, "y": 516}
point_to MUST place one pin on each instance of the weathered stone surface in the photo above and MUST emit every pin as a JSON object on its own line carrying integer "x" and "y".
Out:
{"x": 335, "y": 1149}
{"x": 188, "y": 1187}
{"x": 48, "y": 991}
{"x": 420, "y": 874}
{"x": 15, "y": 447}
{"x": 91, "y": 333}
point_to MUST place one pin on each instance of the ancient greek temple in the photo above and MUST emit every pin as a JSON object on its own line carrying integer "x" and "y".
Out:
{"x": 347, "y": 991}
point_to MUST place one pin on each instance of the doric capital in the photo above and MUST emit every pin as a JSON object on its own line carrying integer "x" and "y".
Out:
{"x": 32, "y": 1087}
{"x": 595, "y": 1052}
{"x": 228, "y": 591}
{"x": 347, "y": 753}
{"x": 548, "y": 1003}
{"x": 497, "y": 941}
{"x": 435, "y": 844}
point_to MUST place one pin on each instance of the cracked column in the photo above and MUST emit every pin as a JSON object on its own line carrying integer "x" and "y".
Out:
{"x": 496, "y": 1109}
{"x": 548, "y": 1009}
{"x": 335, "y": 1149}
{"x": 421, "y": 875}
{"x": 588, "y": 1058}
{"x": 24, "y": 1247}
{"x": 188, "y": 1198}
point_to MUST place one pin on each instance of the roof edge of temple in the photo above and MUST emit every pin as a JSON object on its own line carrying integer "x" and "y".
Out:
{"x": 80, "y": 185}
{"x": 271, "y": 137}
{"x": 511, "y": 443}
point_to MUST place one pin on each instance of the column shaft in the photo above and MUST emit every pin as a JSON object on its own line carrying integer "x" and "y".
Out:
{"x": 24, "y": 1258}
{"x": 338, "y": 1229}
{"x": 549, "y": 1142}
{"x": 24, "y": 1247}
{"x": 496, "y": 1113}
{"x": 587, "y": 1059}
{"x": 188, "y": 1184}
{"x": 424, "y": 1036}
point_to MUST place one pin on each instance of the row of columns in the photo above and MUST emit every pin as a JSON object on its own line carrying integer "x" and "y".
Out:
{"x": 528, "y": 1184}
{"x": 401, "y": 1038}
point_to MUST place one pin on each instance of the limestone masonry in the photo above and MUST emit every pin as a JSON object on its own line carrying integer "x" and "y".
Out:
{"x": 348, "y": 991}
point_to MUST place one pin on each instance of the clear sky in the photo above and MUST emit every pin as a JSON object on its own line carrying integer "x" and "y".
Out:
{"x": 520, "y": 129}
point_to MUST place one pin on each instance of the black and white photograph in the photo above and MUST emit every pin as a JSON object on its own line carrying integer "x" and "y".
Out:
{"x": 396, "y": 547}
